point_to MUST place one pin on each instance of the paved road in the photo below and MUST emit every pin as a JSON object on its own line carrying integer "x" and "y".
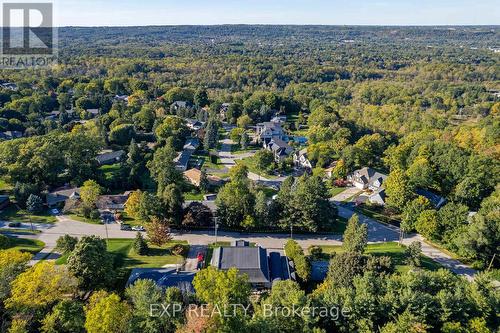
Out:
{"x": 377, "y": 232}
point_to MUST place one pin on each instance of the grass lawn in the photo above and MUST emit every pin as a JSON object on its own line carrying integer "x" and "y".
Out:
{"x": 250, "y": 164}
{"x": 27, "y": 245}
{"x": 338, "y": 226}
{"x": 334, "y": 190}
{"x": 236, "y": 149}
{"x": 376, "y": 214}
{"x": 84, "y": 219}
{"x": 390, "y": 249}
{"x": 111, "y": 170}
{"x": 12, "y": 213}
{"x": 207, "y": 163}
{"x": 125, "y": 256}
{"x": 193, "y": 196}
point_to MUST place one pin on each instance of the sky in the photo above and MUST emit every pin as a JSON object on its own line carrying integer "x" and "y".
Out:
{"x": 327, "y": 12}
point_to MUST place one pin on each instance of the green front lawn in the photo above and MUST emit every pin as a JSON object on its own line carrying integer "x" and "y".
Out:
{"x": 193, "y": 196}
{"x": 334, "y": 190}
{"x": 125, "y": 256}
{"x": 378, "y": 213}
{"x": 390, "y": 249}
{"x": 12, "y": 213}
{"x": 27, "y": 245}
{"x": 84, "y": 219}
{"x": 207, "y": 163}
{"x": 249, "y": 162}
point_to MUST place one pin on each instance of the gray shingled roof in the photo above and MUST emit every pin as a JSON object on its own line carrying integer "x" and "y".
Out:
{"x": 248, "y": 260}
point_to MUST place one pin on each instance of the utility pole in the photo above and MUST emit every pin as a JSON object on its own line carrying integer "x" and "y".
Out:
{"x": 106, "y": 227}
{"x": 216, "y": 227}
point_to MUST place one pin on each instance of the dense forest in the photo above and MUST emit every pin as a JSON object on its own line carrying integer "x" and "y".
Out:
{"x": 421, "y": 104}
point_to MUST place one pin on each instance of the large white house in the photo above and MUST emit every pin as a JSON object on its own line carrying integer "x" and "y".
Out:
{"x": 367, "y": 178}
{"x": 301, "y": 160}
{"x": 269, "y": 130}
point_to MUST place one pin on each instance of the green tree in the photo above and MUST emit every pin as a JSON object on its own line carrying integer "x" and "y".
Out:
{"x": 141, "y": 295}
{"x": 91, "y": 263}
{"x": 355, "y": 236}
{"x": 201, "y": 98}
{"x": 39, "y": 287}
{"x": 172, "y": 127}
{"x": 173, "y": 201}
{"x": 140, "y": 245}
{"x": 412, "y": 211}
{"x": 218, "y": 287}
{"x": 12, "y": 263}
{"x": 428, "y": 224}
{"x": 89, "y": 193}
{"x": 295, "y": 252}
{"x": 211, "y": 134}
{"x": 264, "y": 160}
{"x": 34, "y": 204}
{"x": 122, "y": 134}
{"x": 106, "y": 313}
{"x": 66, "y": 243}
{"x": 66, "y": 317}
{"x": 413, "y": 253}
{"x": 398, "y": 189}
{"x": 162, "y": 168}
{"x": 284, "y": 295}
{"x": 158, "y": 231}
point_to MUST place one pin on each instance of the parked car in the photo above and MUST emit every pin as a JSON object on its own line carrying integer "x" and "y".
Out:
{"x": 14, "y": 224}
{"x": 54, "y": 211}
{"x": 138, "y": 228}
{"x": 125, "y": 227}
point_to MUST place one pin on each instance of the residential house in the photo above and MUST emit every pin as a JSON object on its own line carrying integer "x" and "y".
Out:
{"x": 4, "y": 201}
{"x": 9, "y": 85}
{"x": 268, "y": 130}
{"x": 194, "y": 124}
{"x": 107, "y": 157}
{"x": 367, "y": 178}
{"x": 223, "y": 111}
{"x": 93, "y": 112}
{"x": 61, "y": 195}
{"x": 436, "y": 200}
{"x": 279, "y": 119}
{"x": 178, "y": 105}
{"x": 164, "y": 278}
{"x": 261, "y": 266}
{"x": 121, "y": 98}
{"x": 301, "y": 160}
{"x": 279, "y": 148}
{"x": 182, "y": 160}
{"x": 111, "y": 203}
{"x": 10, "y": 135}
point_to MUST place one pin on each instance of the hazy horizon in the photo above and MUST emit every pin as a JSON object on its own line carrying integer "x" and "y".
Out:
{"x": 102, "y": 13}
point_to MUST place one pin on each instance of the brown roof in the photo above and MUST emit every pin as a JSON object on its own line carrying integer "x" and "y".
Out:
{"x": 193, "y": 175}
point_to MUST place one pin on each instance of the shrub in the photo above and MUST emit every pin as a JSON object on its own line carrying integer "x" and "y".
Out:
{"x": 5, "y": 242}
{"x": 180, "y": 249}
{"x": 140, "y": 246}
{"x": 94, "y": 214}
{"x": 315, "y": 251}
{"x": 66, "y": 243}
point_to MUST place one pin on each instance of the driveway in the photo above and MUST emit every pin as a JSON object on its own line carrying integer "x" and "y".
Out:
{"x": 346, "y": 194}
